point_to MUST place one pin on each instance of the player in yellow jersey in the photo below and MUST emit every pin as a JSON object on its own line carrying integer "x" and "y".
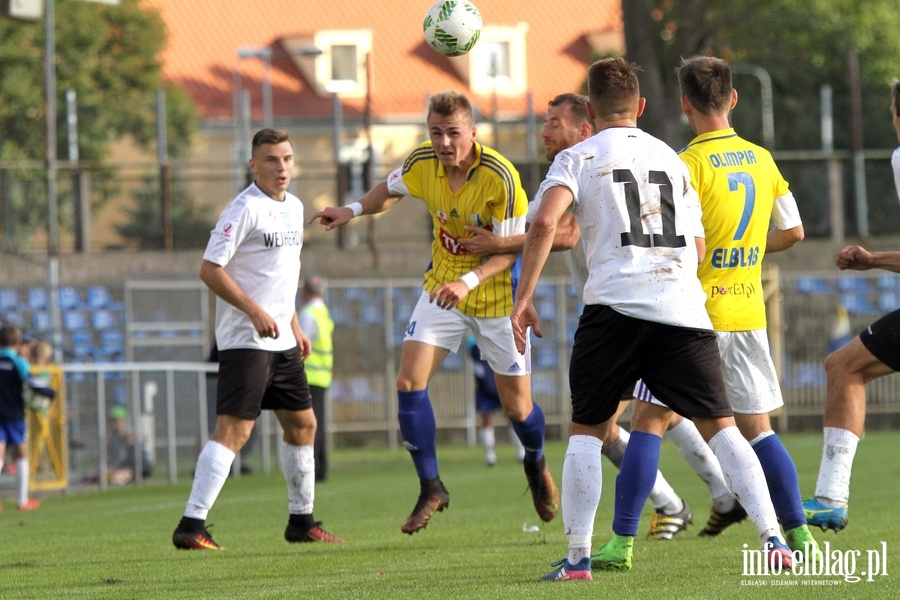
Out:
{"x": 462, "y": 183}
{"x": 741, "y": 192}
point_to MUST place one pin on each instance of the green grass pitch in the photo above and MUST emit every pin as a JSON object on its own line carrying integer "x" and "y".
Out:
{"x": 116, "y": 544}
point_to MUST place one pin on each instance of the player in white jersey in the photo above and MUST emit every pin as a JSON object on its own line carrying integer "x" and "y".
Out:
{"x": 566, "y": 124}
{"x": 872, "y": 354}
{"x": 252, "y": 264}
{"x": 644, "y": 317}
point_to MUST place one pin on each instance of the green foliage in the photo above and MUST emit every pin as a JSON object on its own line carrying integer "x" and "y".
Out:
{"x": 107, "y": 54}
{"x": 117, "y": 544}
{"x": 190, "y": 221}
{"x": 803, "y": 45}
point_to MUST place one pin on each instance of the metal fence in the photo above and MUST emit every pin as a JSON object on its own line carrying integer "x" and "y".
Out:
{"x": 170, "y": 404}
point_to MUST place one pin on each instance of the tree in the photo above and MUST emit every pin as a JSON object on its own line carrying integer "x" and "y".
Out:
{"x": 109, "y": 56}
{"x": 190, "y": 220}
{"x": 803, "y": 45}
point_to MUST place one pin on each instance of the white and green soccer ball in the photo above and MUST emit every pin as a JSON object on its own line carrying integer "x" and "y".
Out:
{"x": 452, "y": 27}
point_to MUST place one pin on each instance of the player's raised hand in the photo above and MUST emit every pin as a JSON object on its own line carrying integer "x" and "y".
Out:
{"x": 333, "y": 216}
{"x": 524, "y": 316}
{"x": 856, "y": 258}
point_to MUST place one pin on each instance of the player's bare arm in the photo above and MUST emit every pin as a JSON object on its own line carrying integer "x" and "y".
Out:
{"x": 538, "y": 242}
{"x": 782, "y": 239}
{"x": 449, "y": 295}
{"x": 376, "y": 200}
{"x": 223, "y": 286}
{"x": 857, "y": 258}
{"x": 485, "y": 242}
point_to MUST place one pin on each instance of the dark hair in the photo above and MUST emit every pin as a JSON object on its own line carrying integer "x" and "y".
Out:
{"x": 269, "y": 135}
{"x": 613, "y": 87}
{"x": 576, "y": 106}
{"x": 706, "y": 83}
{"x": 449, "y": 102}
{"x": 10, "y": 336}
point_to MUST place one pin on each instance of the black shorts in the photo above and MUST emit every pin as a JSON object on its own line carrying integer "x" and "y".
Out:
{"x": 882, "y": 339}
{"x": 251, "y": 380}
{"x": 612, "y": 351}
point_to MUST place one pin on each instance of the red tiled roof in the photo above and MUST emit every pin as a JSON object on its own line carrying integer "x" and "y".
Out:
{"x": 204, "y": 36}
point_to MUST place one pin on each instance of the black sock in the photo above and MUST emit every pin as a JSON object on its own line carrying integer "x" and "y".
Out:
{"x": 190, "y": 524}
{"x": 304, "y": 522}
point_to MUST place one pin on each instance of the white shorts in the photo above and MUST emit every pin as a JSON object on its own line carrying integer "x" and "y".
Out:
{"x": 750, "y": 378}
{"x": 447, "y": 329}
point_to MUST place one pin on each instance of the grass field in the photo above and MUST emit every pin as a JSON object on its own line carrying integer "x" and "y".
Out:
{"x": 116, "y": 544}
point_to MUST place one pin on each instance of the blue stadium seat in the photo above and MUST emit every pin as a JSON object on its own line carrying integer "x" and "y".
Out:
{"x": 813, "y": 285}
{"x": 70, "y": 298}
{"x": 40, "y": 321}
{"x": 103, "y": 318}
{"x": 858, "y": 304}
{"x": 112, "y": 342}
{"x": 14, "y": 317}
{"x": 98, "y": 296}
{"x": 546, "y": 309}
{"x": 372, "y": 314}
{"x": 888, "y": 282}
{"x": 38, "y": 298}
{"x": 545, "y": 358}
{"x": 888, "y": 302}
{"x": 9, "y": 299}
{"x": 806, "y": 375}
{"x": 544, "y": 290}
{"x": 74, "y": 319}
{"x": 850, "y": 283}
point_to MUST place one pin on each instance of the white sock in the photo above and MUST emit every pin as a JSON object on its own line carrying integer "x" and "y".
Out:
{"x": 488, "y": 442}
{"x": 833, "y": 484}
{"x": 698, "y": 454}
{"x": 745, "y": 477}
{"x": 299, "y": 467}
{"x": 663, "y": 496}
{"x": 23, "y": 475}
{"x": 213, "y": 466}
{"x": 581, "y": 486}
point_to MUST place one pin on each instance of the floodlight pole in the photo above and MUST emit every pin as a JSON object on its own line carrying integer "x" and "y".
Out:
{"x": 51, "y": 172}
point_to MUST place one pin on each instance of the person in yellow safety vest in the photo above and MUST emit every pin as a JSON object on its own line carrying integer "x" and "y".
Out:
{"x": 316, "y": 322}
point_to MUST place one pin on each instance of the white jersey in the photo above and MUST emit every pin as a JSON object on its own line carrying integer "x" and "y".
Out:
{"x": 638, "y": 216}
{"x": 258, "y": 240}
{"x": 895, "y": 162}
{"x": 574, "y": 257}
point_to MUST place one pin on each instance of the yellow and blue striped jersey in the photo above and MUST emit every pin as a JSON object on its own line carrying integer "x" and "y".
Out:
{"x": 491, "y": 197}
{"x": 739, "y": 185}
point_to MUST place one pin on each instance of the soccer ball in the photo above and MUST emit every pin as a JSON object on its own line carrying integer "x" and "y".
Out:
{"x": 452, "y": 27}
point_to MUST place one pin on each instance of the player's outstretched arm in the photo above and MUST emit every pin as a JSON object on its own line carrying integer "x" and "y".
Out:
{"x": 485, "y": 242}
{"x": 858, "y": 258}
{"x": 376, "y": 200}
